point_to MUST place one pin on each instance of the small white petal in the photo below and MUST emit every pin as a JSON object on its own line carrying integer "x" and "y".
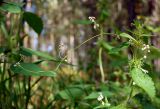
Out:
{"x": 144, "y": 56}
{"x": 134, "y": 83}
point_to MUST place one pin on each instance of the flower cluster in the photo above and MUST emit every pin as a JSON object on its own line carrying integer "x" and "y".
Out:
{"x": 146, "y": 49}
{"x": 100, "y": 97}
{"x": 145, "y": 71}
{"x": 17, "y": 64}
{"x": 92, "y": 19}
{"x": 103, "y": 100}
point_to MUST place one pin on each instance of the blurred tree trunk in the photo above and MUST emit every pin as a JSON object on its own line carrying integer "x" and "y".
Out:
{"x": 131, "y": 11}
{"x": 155, "y": 19}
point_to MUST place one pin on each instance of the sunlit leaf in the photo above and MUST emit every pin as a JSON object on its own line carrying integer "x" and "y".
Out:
{"x": 127, "y": 36}
{"x": 10, "y": 7}
{"x": 144, "y": 81}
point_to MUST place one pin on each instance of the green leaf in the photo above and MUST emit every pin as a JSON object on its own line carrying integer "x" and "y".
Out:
{"x": 119, "y": 47}
{"x": 10, "y": 7}
{"x": 102, "y": 107}
{"x": 45, "y": 56}
{"x": 121, "y": 106}
{"x": 155, "y": 53}
{"x": 29, "y": 69}
{"x": 30, "y": 52}
{"x": 2, "y": 49}
{"x": 127, "y": 36}
{"x": 94, "y": 95}
{"x": 83, "y": 22}
{"x": 105, "y": 45}
{"x": 70, "y": 93}
{"x": 144, "y": 81}
{"x": 34, "y": 21}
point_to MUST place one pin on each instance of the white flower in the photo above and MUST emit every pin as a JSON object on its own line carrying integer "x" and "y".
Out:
{"x": 91, "y": 18}
{"x": 134, "y": 83}
{"x": 145, "y": 71}
{"x": 17, "y": 64}
{"x": 147, "y": 46}
{"x": 144, "y": 56}
{"x": 100, "y": 97}
{"x": 96, "y": 26}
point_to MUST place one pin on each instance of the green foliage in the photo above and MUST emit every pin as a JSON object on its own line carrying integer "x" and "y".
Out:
{"x": 94, "y": 95}
{"x": 120, "y": 47}
{"x": 127, "y": 36}
{"x": 10, "y": 7}
{"x": 71, "y": 93}
{"x": 30, "y": 52}
{"x": 155, "y": 53}
{"x": 144, "y": 81}
{"x": 29, "y": 69}
{"x": 121, "y": 106}
{"x": 34, "y": 21}
{"x": 23, "y": 80}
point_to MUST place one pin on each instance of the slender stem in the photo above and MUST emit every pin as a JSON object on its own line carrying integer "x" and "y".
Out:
{"x": 4, "y": 70}
{"x": 28, "y": 92}
{"x": 63, "y": 59}
{"x": 19, "y": 27}
{"x": 36, "y": 82}
{"x": 130, "y": 94}
{"x": 101, "y": 66}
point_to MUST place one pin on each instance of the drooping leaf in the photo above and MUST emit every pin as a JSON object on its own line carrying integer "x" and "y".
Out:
{"x": 45, "y": 56}
{"x": 29, "y": 69}
{"x": 30, "y": 52}
{"x": 10, "y": 7}
{"x": 34, "y": 21}
{"x": 83, "y": 22}
{"x": 151, "y": 28}
{"x": 127, "y": 36}
{"x": 144, "y": 81}
{"x": 119, "y": 47}
{"x": 105, "y": 45}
